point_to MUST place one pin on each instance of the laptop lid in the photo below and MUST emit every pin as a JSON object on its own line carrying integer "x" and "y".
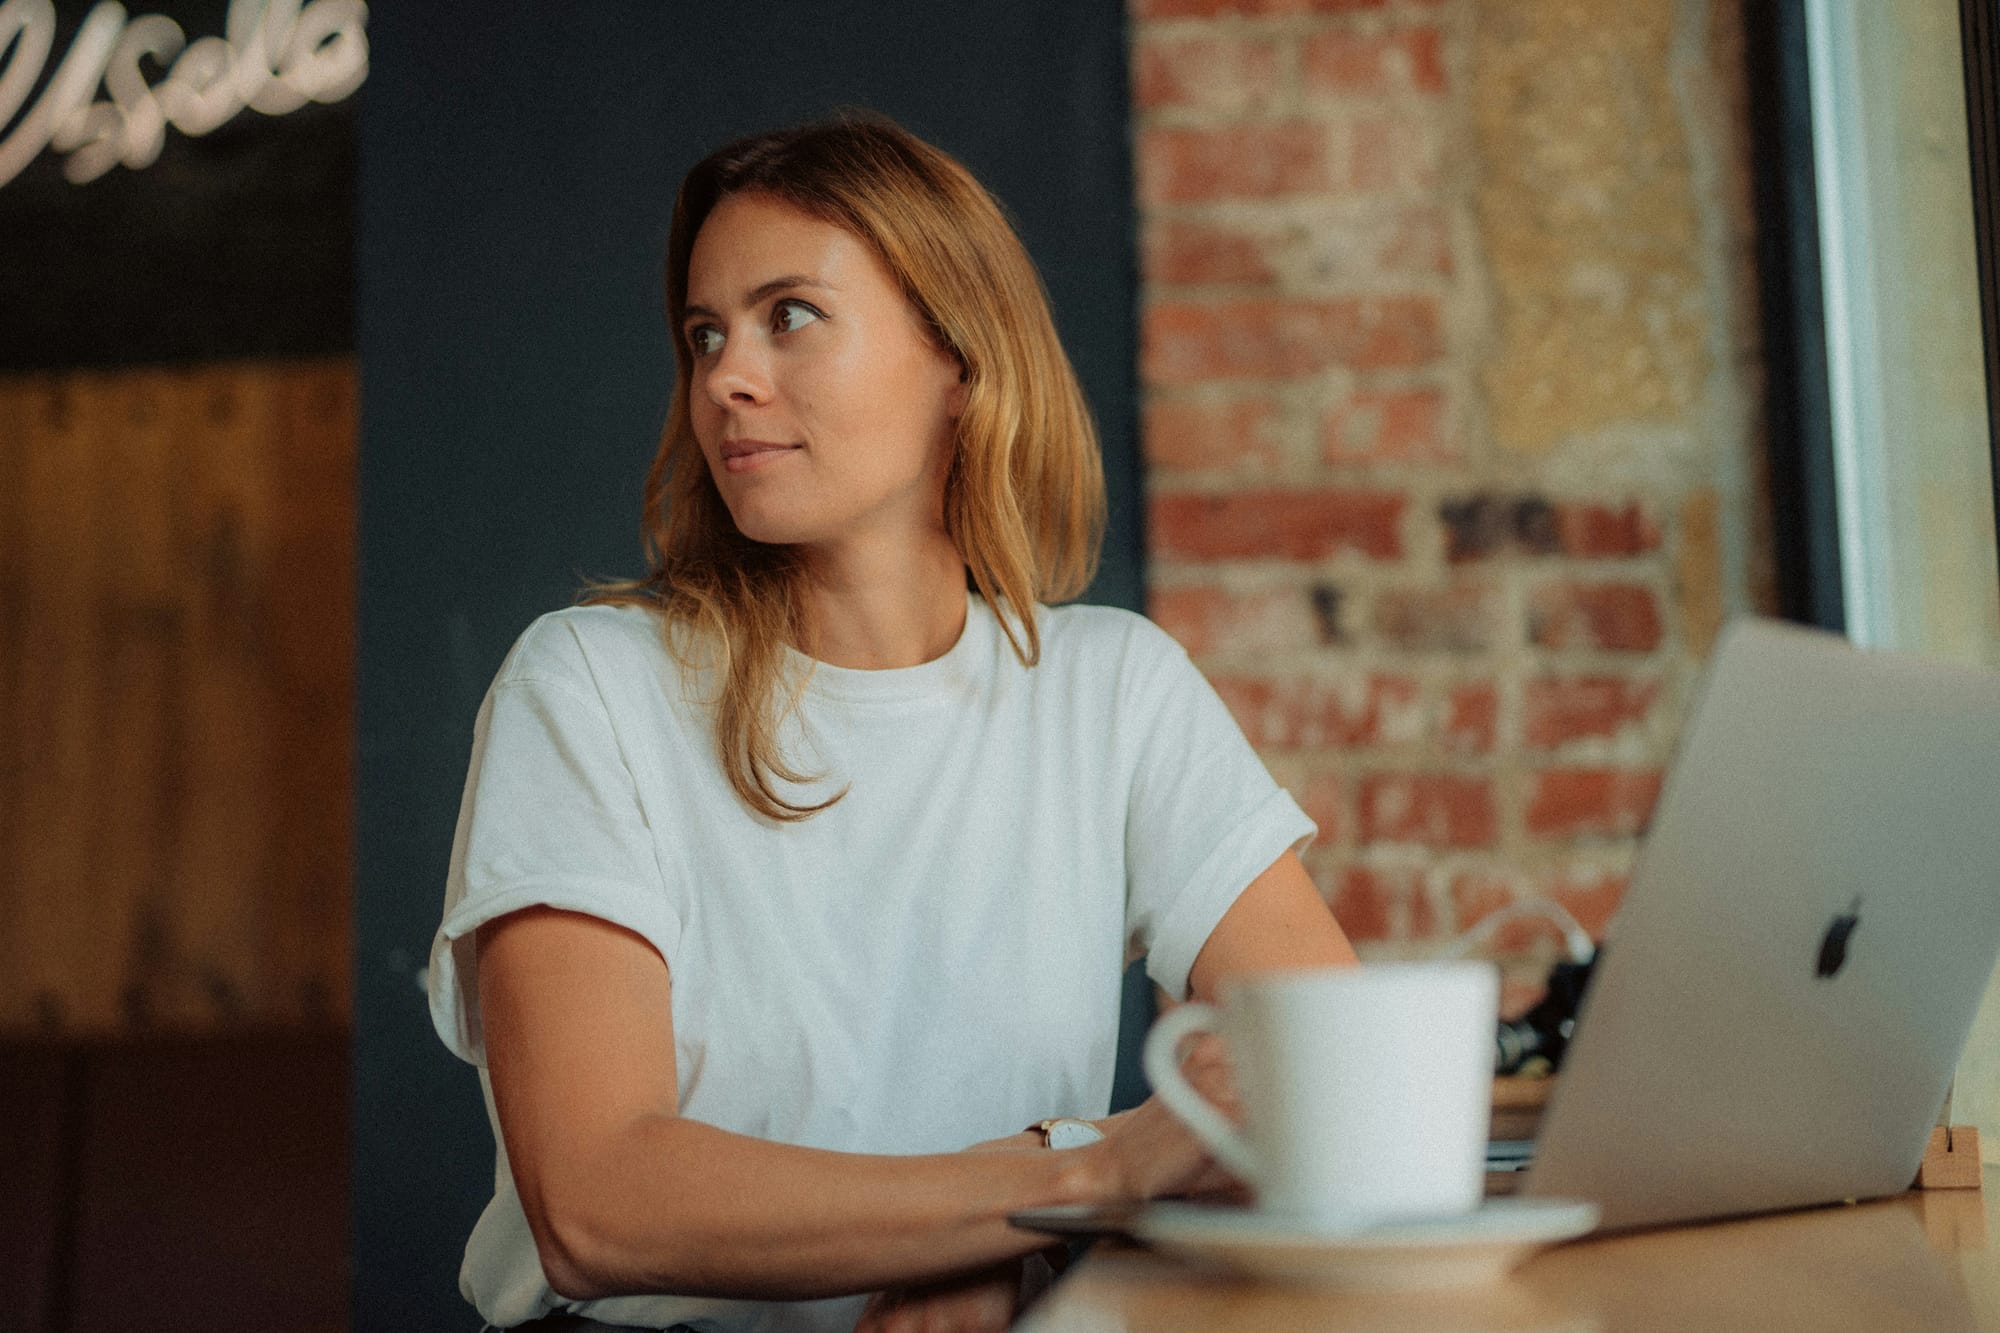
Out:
{"x": 1814, "y": 917}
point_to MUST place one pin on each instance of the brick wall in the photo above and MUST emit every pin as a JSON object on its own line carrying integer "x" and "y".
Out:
{"x": 1451, "y": 420}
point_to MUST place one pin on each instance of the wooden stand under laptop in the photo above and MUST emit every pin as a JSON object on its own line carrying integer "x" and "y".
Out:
{"x": 1951, "y": 1160}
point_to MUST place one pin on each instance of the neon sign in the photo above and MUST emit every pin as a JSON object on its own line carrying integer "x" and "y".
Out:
{"x": 275, "y": 58}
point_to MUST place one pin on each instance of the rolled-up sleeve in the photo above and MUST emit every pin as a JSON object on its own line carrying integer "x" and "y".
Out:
{"x": 550, "y": 817}
{"x": 1205, "y": 816}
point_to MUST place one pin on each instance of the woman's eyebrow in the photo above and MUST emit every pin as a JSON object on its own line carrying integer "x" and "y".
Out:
{"x": 764, "y": 289}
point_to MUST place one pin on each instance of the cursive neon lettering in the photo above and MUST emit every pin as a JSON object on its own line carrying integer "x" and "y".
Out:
{"x": 276, "y": 57}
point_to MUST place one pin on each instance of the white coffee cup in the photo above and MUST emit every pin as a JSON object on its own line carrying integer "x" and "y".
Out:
{"x": 1366, "y": 1091}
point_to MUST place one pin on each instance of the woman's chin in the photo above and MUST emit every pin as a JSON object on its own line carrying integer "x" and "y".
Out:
{"x": 761, "y": 524}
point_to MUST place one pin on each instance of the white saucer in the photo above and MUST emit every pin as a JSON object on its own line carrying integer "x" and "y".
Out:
{"x": 1457, "y": 1251}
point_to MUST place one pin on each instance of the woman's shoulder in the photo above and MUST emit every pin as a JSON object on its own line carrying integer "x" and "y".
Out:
{"x": 580, "y": 646}
{"x": 1094, "y": 635}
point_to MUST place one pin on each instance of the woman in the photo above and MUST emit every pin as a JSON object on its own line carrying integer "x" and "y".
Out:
{"x": 791, "y": 871}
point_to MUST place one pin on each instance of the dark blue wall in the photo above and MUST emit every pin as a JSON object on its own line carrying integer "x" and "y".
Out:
{"x": 518, "y": 164}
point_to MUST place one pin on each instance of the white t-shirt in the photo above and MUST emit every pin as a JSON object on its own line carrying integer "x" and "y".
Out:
{"x": 932, "y": 962}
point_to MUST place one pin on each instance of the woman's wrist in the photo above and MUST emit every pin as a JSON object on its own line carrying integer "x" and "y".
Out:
{"x": 1094, "y": 1175}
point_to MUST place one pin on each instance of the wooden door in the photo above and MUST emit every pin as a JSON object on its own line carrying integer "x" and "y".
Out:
{"x": 176, "y": 679}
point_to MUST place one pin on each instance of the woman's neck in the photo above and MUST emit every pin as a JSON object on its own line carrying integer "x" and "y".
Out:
{"x": 874, "y": 607}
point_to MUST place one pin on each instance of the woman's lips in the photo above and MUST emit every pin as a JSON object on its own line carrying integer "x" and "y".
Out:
{"x": 743, "y": 455}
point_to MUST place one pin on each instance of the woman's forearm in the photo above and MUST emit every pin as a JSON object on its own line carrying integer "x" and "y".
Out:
{"x": 674, "y": 1205}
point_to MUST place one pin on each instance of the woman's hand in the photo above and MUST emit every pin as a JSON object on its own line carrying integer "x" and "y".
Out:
{"x": 1152, "y": 1154}
{"x": 982, "y": 1302}
{"x": 1156, "y": 1155}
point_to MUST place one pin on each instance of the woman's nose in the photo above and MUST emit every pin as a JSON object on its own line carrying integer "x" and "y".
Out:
{"x": 738, "y": 374}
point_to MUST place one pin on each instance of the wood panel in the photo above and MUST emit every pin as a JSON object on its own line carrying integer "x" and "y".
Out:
{"x": 40, "y": 1115}
{"x": 176, "y": 671}
{"x": 213, "y": 1187}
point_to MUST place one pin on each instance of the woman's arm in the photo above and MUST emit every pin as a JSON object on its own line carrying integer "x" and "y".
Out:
{"x": 625, "y": 1196}
{"x": 1280, "y": 922}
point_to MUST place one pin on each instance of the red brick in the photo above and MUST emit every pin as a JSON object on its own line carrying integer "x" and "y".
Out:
{"x": 1592, "y": 901}
{"x": 1363, "y": 903}
{"x": 1367, "y": 247}
{"x": 1327, "y": 600}
{"x": 1186, "y": 252}
{"x": 1181, "y": 435}
{"x": 1434, "y": 809}
{"x": 1210, "y": 71}
{"x": 1419, "y": 917}
{"x": 1615, "y": 617}
{"x": 1564, "y": 709}
{"x": 1389, "y": 153}
{"x": 1482, "y": 525}
{"x": 1592, "y": 802}
{"x": 1600, "y": 530}
{"x": 1519, "y": 994}
{"x": 1418, "y": 242}
{"x": 1325, "y": 802}
{"x": 1472, "y": 719}
{"x": 1207, "y": 619}
{"x": 1349, "y": 64}
{"x": 1376, "y": 903}
{"x": 1476, "y": 895}
{"x": 1486, "y": 524}
{"x": 1285, "y": 525}
{"x": 1267, "y": 339}
{"x": 1463, "y": 617}
{"x": 1263, "y": 161}
{"x": 1290, "y": 715}
{"x": 1394, "y": 426}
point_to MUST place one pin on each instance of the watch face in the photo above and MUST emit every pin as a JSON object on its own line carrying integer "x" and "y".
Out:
{"x": 1073, "y": 1133}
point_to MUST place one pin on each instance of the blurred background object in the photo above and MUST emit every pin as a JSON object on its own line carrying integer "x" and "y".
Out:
{"x": 1454, "y": 425}
{"x": 1905, "y": 129}
{"x": 177, "y": 437}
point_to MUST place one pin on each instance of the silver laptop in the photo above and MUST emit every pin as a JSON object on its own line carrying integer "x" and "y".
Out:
{"x": 1814, "y": 917}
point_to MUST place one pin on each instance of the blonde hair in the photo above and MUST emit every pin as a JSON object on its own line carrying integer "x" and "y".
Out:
{"x": 1024, "y": 497}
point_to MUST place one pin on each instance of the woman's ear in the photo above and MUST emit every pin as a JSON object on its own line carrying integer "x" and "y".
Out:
{"x": 955, "y": 403}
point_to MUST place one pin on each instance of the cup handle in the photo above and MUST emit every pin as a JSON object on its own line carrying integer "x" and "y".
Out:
{"x": 1163, "y": 1068}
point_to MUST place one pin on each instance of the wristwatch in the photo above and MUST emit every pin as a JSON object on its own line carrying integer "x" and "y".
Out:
{"x": 1066, "y": 1132}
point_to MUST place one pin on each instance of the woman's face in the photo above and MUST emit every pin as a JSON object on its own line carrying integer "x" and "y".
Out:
{"x": 825, "y": 411}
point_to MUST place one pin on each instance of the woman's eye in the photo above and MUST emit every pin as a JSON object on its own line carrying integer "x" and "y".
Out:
{"x": 788, "y": 315}
{"x": 704, "y": 339}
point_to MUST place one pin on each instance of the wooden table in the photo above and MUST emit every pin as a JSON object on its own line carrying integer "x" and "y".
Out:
{"x": 1927, "y": 1260}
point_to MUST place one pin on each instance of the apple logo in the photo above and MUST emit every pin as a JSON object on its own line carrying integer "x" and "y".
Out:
{"x": 1833, "y": 949}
